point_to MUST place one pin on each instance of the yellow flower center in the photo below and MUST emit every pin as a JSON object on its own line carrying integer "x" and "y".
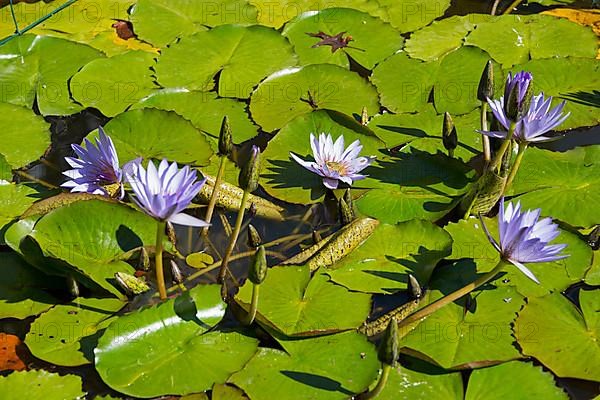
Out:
{"x": 337, "y": 167}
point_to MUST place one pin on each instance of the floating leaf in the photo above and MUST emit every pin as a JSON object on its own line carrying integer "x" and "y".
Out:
{"x": 14, "y": 200}
{"x": 407, "y": 16}
{"x": 227, "y": 392}
{"x": 98, "y": 85}
{"x": 567, "y": 342}
{"x": 161, "y": 22}
{"x": 205, "y": 111}
{"x": 370, "y": 39}
{"x": 287, "y": 180}
{"x": 66, "y": 334}
{"x": 9, "y": 359}
{"x": 30, "y": 72}
{"x": 296, "y": 304}
{"x": 328, "y": 367}
{"x": 40, "y": 384}
{"x": 199, "y": 260}
{"x": 592, "y": 277}
{"x": 166, "y": 337}
{"x": 527, "y": 382}
{"x": 294, "y": 92}
{"x": 236, "y": 53}
{"x": 382, "y": 263}
{"x": 141, "y": 133}
{"x": 24, "y": 142}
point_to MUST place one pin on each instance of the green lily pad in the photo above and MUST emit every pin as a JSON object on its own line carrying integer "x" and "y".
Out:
{"x": 414, "y": 184}
{"x": 563, "y": 185}
{"x": 566, "y": 343}
{"x": 161, "y": 22}
{"x": 296, "y": 304}
{"x": 226, "y": 392}
{"x": 460, "y": 335}
{"x": 98, "y": 85}
{"x": 404, "y": 83}
{"x": 297, "y": 91}
{"x": 205, "y": 111}
{"x": 24, "y": 142}
{"x": 372, "y": 39}
{"x": 407, "y": 16}
{"x": 143, "y": 133}
{"x": 284, "y": 178}
{"x": 6, "y": 173}
{"x": 22, "y": 287}
{"x": 327, "y": 367}
{"x": 514, "y": 39}
{"x": 382, "y": 263}
{"x": 14, "y": 200}
{"x": 592, "y": 277}
{"x": 175, "y": 352}
{"x": 40, "y": 384}
{"x": 92, "y": 236}
{"x": 527, "y": 382}
{"x": 570, "y": 79}
{"x": 66, "y": 334}
{"x": 472, "y": 247}
{"x": 30, "y": 72}
{"x": 236, "y": 53}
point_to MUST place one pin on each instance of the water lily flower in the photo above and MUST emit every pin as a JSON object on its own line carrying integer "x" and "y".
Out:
{"x": 517, "y": 93}
{"x": 333, "y": 162}
{"x": 539, "y": 120}
{"x": 524, "y": 239}
{"x": 96, "y": 170}
{"x": 164, "y": 192}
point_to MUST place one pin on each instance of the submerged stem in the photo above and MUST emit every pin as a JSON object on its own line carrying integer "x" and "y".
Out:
{"x": 487, "y": 153}
{"x": 517, "y": 164}
{"x": 385, "y": 373}
{"x": 213, "y": 197}
{"x": 512, "y": 6}
{"x": 253, "y": 305}
{"x": 158, "y": 260}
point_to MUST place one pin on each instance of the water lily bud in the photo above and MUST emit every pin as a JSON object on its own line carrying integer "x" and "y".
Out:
{"x": 225, "y": 139}
{"x": 348, "y": 198}
{"x": 252, "y": 210}
{"x": 316, "y": 237}
{"x": 364, "y": 117}
{"x": 130, "y": 284}
{"x": 258, "y": 269}
{"x": 176, "y": 273}
{"x": 517, "y": 95}
{"x": 144, "y": 261}
{"x": 449, "y": 135}
{"x": 593, "y": 238}
{"x": 414, "y": 287}
{"x": 346, "y": 213}
{"x": 73, "y": 286}
{"x": 485, "y": 90}
{"x": 171, "y": 233}
{"x": 254, "y": 239}
{"x": 388, "y": 348}
{"x": 250, "y": 172}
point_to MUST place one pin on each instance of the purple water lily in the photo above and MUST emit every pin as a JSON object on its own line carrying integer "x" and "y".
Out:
{"x": 96, "y": 170}
{"x": 539, "y": 120}
{"x": 333, "y": 162}
{"x": 164, "y": 192}
{"x": 524, "y": 239}
{"x": 516, "y": 91}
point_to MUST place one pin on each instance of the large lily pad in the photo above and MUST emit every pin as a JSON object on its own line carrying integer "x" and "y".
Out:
{"x": 382, "y": 263}
{"x": 527, "y": 382}
{"x": 30, "y": 72}
{"x": 564, "y": 185}
{"x": 40, "y": 384}
{"x": 472, "y": 247}
{"x": 14, "y": 200}
{"x": 566, "y": 343}
{"x": 66, "y": 334}
{"x": 205, "y": 111}
{"x": 410, "y": 15}
{"x": 236, "y": 53}
{"x": 22, "y": 287}
{"x": 23, "y": 142}
{"x": 143, "y": 133}
{"x": 98, "y": 85}
{"x": 296, "y": 304}
{"x": 285, "y": 179}
{"x": 372, "y": 39}
{"x": 297, "y": 91}
{"x": 174, "y": 350}
{"x": 161, "y": 22}
{"x": 328, "y": 367}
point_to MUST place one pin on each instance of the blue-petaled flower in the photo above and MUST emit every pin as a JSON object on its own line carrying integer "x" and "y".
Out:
{"x": 524, "y": 239}
{"x": 96, "y": 170}
{"x": 538, "y": 120}
{"x": 333, "y": 162}
{"x": 165, "y": 192}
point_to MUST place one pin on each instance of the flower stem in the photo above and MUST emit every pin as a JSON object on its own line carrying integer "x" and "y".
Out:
{"x": 385, "y": 373}
{"x": 158, "y": 260}
{"x": 232, "y": 241}
{"x": 500, "y": 154}
{"x": 436, "y": 305}
{"x": 512, "y": 6}
{"x": 515, "y": 168}
{"x": 487, "y": 154}
{"x": 253, "y": 305}
{"x": 213, "y": 197}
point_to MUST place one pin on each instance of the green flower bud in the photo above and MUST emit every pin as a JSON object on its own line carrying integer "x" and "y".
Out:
{"x": 259, "y": 267}
{"x": 449, "y": 135}
{"x": 346, "y": 213}
{"x": 254, "y": 239}
{"x": 364, "y": 117}
{"x": 176, "y": 273}
{"x": 144, "y": 261}
{"x": 225, "y": 138}
{"x": 250, "y": 172}
{"x": 485, "y": 90}
{"x": 414, "y": 287}
{"x": 388, "y": 348}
